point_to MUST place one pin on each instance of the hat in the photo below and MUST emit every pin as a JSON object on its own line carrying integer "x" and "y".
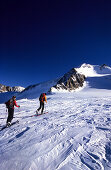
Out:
{"x": 14, "y": 97}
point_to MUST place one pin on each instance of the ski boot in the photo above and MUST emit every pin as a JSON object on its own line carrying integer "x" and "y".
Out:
{"x": 8, "y": 124}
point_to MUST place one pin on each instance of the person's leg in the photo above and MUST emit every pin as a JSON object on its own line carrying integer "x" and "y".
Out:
{"x": 10, "y": 115}
{"x": 39, "y": 107}
{"x": 42, "y": 108}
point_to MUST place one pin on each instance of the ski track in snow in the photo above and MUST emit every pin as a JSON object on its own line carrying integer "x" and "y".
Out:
{"x": 74, "y": 134}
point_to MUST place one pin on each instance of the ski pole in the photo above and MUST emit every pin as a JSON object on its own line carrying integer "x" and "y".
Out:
{"x": 45, "y": 108}
{"x": 18, "y": 109}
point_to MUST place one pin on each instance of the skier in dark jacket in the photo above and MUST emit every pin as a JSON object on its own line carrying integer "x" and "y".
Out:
{"x": 10, "y": 105}
{"x": 42, "y": 98}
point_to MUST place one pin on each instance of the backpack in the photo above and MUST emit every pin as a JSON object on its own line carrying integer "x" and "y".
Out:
{"x": 9, "y": 103}
{"x": 42, "y": 97}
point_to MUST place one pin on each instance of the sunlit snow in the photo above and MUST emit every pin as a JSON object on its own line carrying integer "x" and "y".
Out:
{"x": 75, "y": 134}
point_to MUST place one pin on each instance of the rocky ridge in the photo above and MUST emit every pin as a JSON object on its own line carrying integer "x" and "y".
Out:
{"x": 70, "y": 81}
{"x": 4, "y": 88}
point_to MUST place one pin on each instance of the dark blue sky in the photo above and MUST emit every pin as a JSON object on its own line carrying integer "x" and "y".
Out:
{"x": 42, "y": 40}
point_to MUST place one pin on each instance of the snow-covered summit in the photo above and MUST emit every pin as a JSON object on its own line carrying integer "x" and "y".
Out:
{"x": 86, "y": 78}
{"x": 75, "y": 134}
{"x": 94, "y": 70}
{"x": 97, "y": 77}
{"x": 18, "y": 88}
{"x": 71, "y": 80}
{"x": 4, "y": 88}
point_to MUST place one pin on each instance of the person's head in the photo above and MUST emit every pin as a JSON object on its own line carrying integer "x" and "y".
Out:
{"x": 44, "y": 94}
{"x": 14, "y": 97}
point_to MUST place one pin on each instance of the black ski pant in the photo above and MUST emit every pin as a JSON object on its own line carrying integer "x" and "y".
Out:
{"x": 41, "y": 107}
{"x": 10, "y": 115}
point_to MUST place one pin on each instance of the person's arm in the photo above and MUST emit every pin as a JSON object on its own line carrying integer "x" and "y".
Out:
{"x": 45, "y": 99}
{"x": 15, "y": 104}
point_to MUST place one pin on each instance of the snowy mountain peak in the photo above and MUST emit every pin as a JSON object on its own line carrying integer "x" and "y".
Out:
{"x": 4, "y": 88}
{"x": 72, "y": 80}
{"x": 86, "y": 78}
{"x": 94, "y": 70}
{"x": 18, "y": 88}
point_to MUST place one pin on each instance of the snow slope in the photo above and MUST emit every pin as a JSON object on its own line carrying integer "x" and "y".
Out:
{"x": 97, "y": 77}
{"x": 35, "y": 90}
{"x": 31, "y": 92}
{"x": 75, "y": 134}
{"x": 94, "y": 70}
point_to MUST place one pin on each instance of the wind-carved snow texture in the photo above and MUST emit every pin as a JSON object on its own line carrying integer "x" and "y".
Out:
{"x": 75, "y": 134}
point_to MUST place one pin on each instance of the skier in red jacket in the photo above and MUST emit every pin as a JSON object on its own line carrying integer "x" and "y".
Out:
{"x": 10, "y": 105}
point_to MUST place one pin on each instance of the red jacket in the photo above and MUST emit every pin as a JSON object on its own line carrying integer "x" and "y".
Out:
{"x": 15, "y": 104}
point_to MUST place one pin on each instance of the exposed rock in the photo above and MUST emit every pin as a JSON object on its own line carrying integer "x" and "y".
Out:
{"x": 103, "y": 66}
{"x": 8, "y": 88}
{"x": 4, "y": 88}
{"x": 18, "y": 88}
{"x": 70, "y": 81}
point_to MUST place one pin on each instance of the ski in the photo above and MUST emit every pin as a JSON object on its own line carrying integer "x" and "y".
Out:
{"x": 13, "y": 123}
{"x": 39, "y": 114}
